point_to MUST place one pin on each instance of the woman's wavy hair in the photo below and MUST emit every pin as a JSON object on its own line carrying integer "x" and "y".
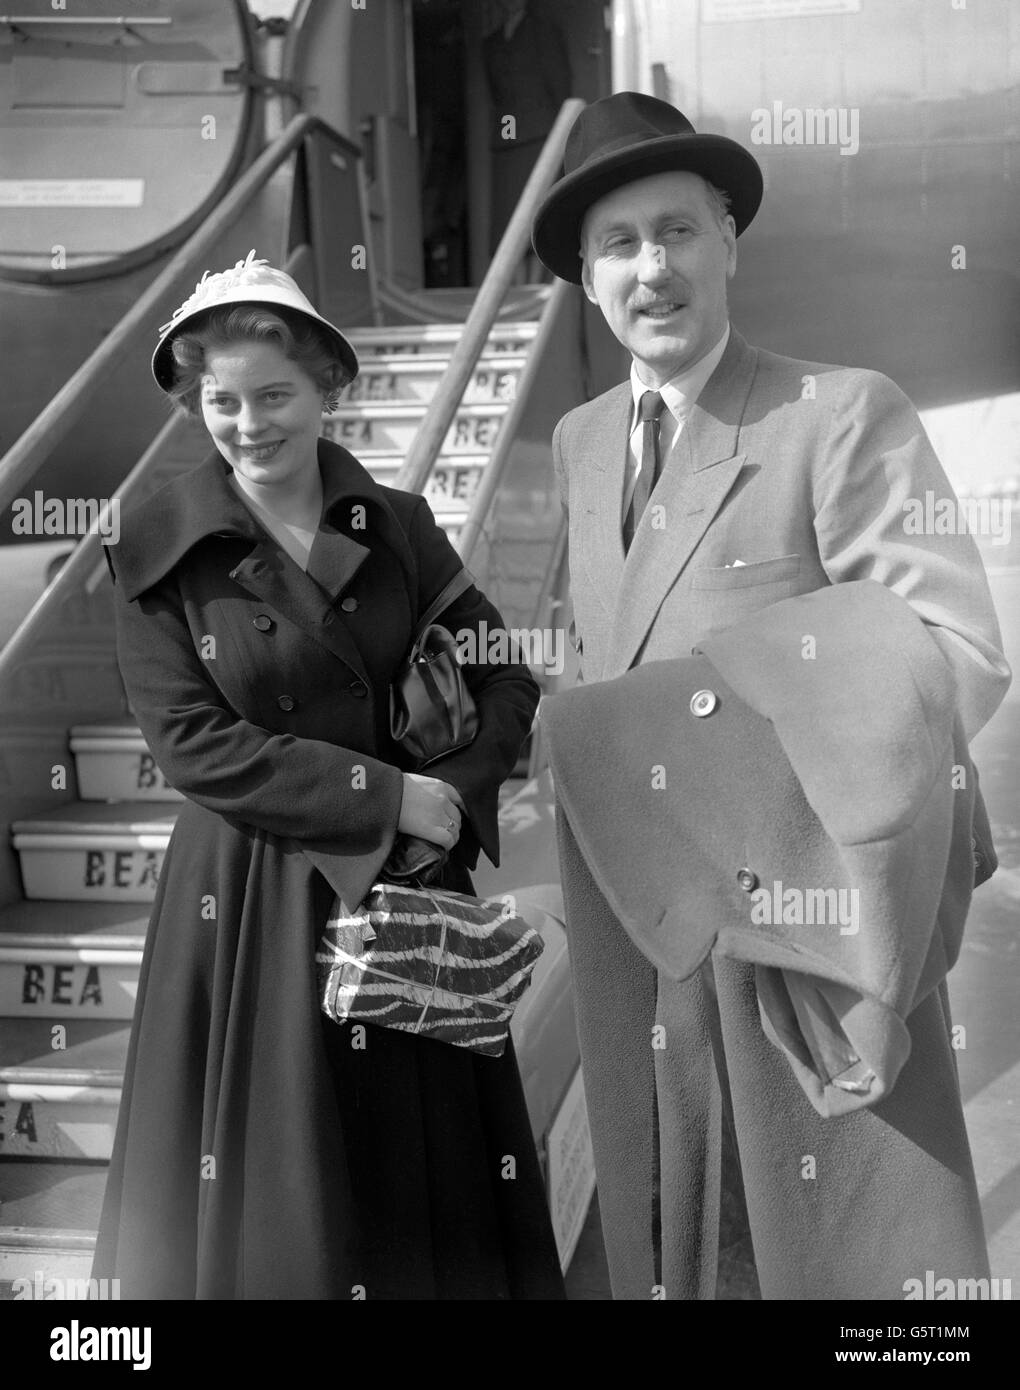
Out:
{"x": 299, "y": 339}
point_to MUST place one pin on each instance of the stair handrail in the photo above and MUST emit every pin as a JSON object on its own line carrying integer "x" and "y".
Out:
{"x": 473, "y": 527}
{"x": 31, "y": 450}
{"x": 442, "y": 409}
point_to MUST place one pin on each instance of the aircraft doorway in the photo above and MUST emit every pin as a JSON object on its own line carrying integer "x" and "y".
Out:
{"x": 489, "y": 80}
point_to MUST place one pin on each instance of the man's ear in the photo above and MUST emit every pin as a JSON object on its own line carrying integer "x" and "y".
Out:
{"x": 586, "y": 280}
{"x": 729, "y": 232}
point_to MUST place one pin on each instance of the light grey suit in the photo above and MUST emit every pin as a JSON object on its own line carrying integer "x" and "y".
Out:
{"x": 798, "y": 469}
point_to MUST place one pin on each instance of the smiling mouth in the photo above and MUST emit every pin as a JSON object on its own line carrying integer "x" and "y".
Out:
{"x": 660, "y": 311}
{"x": 259, "y": 453}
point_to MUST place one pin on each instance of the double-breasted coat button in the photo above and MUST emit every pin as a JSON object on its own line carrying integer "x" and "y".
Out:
{"x": 349, "y": 605}
{"x": 747, "y": 879}
{"x": 703, "y": 702}
{"x": 286, "y": 702}
{"x": 263, "y": 622}
{"x": 358, "y": 689}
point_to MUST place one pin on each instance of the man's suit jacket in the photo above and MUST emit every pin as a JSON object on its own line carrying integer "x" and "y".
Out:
{"x": 798, "y": 469}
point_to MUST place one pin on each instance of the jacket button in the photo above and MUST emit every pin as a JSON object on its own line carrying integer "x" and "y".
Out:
{"x": 263, "y": 623}
{"x": 747, "y": 879}
{"x": 349, "y": 605}
{"x": 358, "y": 689}
{"x": 286, "y": 702}
{"x": 703, "y": 702}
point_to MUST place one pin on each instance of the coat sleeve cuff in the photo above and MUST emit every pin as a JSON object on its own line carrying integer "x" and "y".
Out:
{"x": 352, "y": 872}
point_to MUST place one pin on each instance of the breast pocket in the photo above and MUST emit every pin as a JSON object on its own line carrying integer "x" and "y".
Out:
{"x": 732, "y": 577}
{"x": 724, "y": 596}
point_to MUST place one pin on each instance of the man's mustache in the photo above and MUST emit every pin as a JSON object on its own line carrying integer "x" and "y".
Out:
{"x": 659, "y": 301}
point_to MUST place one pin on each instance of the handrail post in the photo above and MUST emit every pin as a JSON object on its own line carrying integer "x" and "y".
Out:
{"x": 513, "y": 245}
{"x": 472, "y": 528}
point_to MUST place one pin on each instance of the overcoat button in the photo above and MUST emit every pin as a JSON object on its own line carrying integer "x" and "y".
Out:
{"x": 263, "y": 623}
{"x": 359, "y": 689}
{"x": 286, "y": 702}
{"x": 349, "y": 605}
{"x": 747, "y": 879}
{"x": 703, "y": 702}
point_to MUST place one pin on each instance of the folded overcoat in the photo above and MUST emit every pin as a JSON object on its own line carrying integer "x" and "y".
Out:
{"x": 797, "y": 800}
{"x": 263, "y": 1151}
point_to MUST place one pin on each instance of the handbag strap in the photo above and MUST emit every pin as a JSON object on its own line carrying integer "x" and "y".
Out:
{"x": 460, "y": 582}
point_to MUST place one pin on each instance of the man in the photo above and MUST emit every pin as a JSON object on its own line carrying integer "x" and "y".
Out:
{"x": 719, "y": 480}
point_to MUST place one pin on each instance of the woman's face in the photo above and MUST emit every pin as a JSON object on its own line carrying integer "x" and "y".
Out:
{"x": 263, "y": 411}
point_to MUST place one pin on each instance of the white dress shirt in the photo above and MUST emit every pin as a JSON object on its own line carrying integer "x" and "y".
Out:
{"x": 679, "y": 394}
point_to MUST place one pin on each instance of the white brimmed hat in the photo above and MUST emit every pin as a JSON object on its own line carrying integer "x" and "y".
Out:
{"x": 250, "y": 281}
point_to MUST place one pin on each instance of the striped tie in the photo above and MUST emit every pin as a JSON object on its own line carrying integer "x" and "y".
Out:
{"x": 650, "y": 407}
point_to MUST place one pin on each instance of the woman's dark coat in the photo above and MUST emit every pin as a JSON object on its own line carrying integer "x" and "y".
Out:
{"x": 263, "y": 1151}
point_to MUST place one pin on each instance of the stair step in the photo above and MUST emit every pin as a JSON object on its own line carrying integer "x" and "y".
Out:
{"x": 60, "y": 1104}
{"x": 114, "y": 764}
{"x": 119, "y": 926}
{"x": 94, "y": 851}
{"x": 367, "y": 427}
{"x": 94, "y": 1053}
{"x": 36, "y": 1264}
{"x": 399, "y": 378}
{"x": 49, "y": 1213}
{"x": 59, "y": 982}
{"x": 451, "y": 486}
{"x": 505, "y": 339}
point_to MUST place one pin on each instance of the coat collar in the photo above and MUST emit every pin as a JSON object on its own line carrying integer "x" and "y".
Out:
{"x": 201, "y": 503}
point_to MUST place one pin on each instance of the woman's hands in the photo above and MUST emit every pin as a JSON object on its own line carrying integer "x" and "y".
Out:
{"x": 430, "y": 808}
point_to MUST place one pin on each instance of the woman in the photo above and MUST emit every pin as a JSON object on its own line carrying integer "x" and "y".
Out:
{"x": 263, "y": 603}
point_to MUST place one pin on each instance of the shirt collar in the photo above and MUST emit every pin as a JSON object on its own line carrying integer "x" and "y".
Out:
{"x": 682, "y": 390}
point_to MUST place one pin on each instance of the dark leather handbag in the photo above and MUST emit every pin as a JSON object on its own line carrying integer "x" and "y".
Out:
{"x": 432, "y": 712}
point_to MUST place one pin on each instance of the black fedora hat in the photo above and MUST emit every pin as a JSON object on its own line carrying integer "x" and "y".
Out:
{"x": 625, "y": 137}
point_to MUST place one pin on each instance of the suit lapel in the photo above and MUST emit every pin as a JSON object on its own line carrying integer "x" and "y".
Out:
{"x": 693, "y": 486}
{"x": 603, "y": 553}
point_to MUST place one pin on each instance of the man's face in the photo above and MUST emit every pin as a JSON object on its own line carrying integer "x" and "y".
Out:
{"x": 656, "y": 262}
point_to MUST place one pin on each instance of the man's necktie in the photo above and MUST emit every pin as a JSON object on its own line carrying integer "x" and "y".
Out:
{"x": 650, "y": 407}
